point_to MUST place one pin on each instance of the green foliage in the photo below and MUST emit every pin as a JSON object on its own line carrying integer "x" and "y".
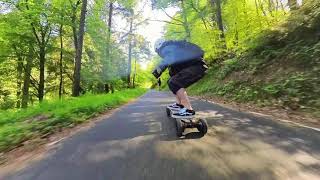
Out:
{"x": 244, "y": 21}
{"x": 39, "y": 24}
{"x": 269, "y": 54}
{"x": 295, "y": 90}
{"x": 6, "y": 101}
{"x": 228, "y": 67}
{"x": 50, "y": 116}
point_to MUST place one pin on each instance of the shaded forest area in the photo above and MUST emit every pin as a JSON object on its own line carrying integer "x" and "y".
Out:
{"x": 52, "y": 49}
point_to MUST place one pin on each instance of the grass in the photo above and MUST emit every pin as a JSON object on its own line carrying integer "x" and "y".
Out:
{"x": 47, "y": 118}
{"x": 298, "y": 91}
{"x": 281, "y": 71}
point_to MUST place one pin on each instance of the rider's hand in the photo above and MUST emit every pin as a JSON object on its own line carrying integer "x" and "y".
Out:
{"x": 157, "y": 72}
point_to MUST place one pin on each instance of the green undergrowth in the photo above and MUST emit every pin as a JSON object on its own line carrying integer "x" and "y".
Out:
{"x": 282, "y": 70}
{"x": 47, "y": 118}
{"x": 298, "y": 91}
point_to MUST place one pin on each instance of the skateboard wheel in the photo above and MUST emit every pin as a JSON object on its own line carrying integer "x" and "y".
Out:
{"x": 168, "y": 112}
{"x": 202, "y": 126}
{"x": 180, "y": 127}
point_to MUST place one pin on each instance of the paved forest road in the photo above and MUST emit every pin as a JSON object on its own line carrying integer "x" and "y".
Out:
{"x": 138, "y": 142}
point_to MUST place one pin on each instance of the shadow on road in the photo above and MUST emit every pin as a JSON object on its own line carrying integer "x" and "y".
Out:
{"x": 139, "y": 142}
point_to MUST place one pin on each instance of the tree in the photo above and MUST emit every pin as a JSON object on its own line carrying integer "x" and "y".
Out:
{"x": 77, "y": 65}
{"x": 41, "y": 28}
{"x": 130, "y": 49}
{"x": 218, "y": 14}
{"x": 134, "y": 20}
{"x": 40, "y": 50}
{"x": 186, "y": 24}
{"x": 108, "y": 46}
{"x": 26, "y": 81}
{"x": 140, "y": 53}
{"x": 182, "y": 20}
{"x": 293, "y": 5}
{"x": 19, "y": 39}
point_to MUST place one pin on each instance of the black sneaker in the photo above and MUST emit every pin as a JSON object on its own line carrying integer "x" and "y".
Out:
{"x": 175, "y": 107}
{"x": 184, "y": 113}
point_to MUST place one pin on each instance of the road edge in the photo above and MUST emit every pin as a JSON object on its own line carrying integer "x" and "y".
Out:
{"x": 19, "y": 158}
{"x": 269, "y": 117}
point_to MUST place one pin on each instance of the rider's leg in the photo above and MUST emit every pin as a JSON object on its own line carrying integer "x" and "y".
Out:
{"x": 181, "y": 94}
{"x": 182, "y": 80}
{"x": 184, "y": 100}
{"x": 178, "y": 99}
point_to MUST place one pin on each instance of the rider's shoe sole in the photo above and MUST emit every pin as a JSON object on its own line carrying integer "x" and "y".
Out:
{"x": 183, "y": 117}
{"x": 174, "y": 110}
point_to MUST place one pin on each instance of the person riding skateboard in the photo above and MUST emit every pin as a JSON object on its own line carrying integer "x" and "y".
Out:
{"x": 186, "y": 66}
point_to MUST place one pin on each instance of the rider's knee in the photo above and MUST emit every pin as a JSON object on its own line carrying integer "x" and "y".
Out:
{"x": 174, "y": 87}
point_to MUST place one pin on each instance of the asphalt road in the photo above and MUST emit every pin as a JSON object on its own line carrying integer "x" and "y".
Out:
{"x": 138, "y": 142}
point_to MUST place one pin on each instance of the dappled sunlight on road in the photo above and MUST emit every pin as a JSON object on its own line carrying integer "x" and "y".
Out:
{"x": 139, "y": 142}
{"x": 114, "y": 149}
{"x": 234, "y": 148}
{"x": 224, "y": 155}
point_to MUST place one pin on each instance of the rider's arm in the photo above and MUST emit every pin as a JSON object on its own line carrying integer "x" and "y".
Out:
{"x": 168, "y": 57}
{"x": 176, "y": 52}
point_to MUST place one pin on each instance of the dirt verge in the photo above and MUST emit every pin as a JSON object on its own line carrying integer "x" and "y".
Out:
{"x": 298, "y": 118}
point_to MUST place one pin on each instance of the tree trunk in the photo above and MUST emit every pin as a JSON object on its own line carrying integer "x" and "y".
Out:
{"x": 258, "y": 13}
{"x": 185, "y": 21}
{"x": 129, "y": 65}
{"x": 42, "y": 55}
{"x": 112, "y": 88}
{"x": 108, "y": 47}
{"x": 236, "y": 36}
{"x": 60, "y": 63}
{"x": 262, "y": 8}
{"x": 42, "y": 43}
{"x": 293, "y": 5}
{"x": 75, "y": 38}
{"x": 271, "y": 7}
{"x": 134, "y": 74}
{"x": 106, "y": 88}
{"x": 245, "y": 12}
{"x": 130, "y": 55}
{"x": 74, "y": 25}
{"x": 217, "y": 3}
{"x": 109, "y": 30}
{"x": 19, "y": 80}
{"x": 77, "y": 65}
{"x": 218, "y": 18}
{"x": 282, "y": 7}
{"x": 26, "y": 80}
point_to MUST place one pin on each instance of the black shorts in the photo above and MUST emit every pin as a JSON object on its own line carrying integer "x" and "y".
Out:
{"x": 186, "y": 77}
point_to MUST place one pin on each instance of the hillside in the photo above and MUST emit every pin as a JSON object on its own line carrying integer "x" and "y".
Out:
{"x": 282, "y": 71}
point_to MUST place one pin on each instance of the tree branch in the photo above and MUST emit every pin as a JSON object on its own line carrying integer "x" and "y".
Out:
{"x": 35, "y": 86}
{"x": 48, "y": 35}
{"x": 175, "y": 19}
{"x": 37, "y": 95}
{"x": 33, "y": 27}
{"x": 178, "y": 24}
{"x": 198, "y": 11}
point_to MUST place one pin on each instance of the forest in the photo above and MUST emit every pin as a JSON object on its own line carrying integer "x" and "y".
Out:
{"x": 56, "y": 49}
{"x": 264, "y": 52}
